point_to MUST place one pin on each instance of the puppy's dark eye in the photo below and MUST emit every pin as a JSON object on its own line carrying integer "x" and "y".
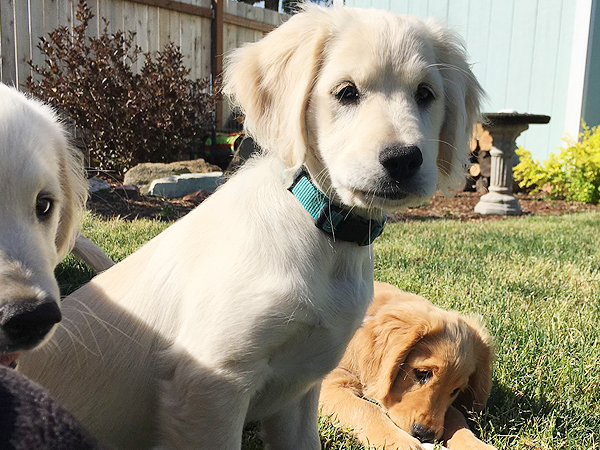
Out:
{"x": 423, "y": 376}
{"x": 424, "y": 95}
{"x": 43, "y": 207}
{"x": 455, "y": 392}
{"x": 347, "y": 94}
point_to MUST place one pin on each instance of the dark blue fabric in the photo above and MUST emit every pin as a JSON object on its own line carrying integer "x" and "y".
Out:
{"x": 31, "y": 420}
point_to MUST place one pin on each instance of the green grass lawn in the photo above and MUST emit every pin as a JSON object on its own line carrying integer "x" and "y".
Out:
{"x": 535, "y": 283}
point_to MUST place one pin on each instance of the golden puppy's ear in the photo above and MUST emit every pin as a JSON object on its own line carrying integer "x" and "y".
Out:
{"x": 388, "y": 339}
{"x": 475, "y": 396}
{"x": 271, "y": 80}
{"x": 463, "y": 95}
{"x": 74, "y": 189}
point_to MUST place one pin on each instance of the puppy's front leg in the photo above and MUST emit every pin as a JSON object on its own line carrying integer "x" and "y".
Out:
{"x": 295, "y": 426}
{"x": 369, "y": 423}
{"x": 200, "y": 410}
{"x": 457, "y": 434}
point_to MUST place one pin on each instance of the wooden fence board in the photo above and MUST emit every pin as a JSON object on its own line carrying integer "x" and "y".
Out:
{"x": 129, "y": 10}
{"x": 7, "y": 26}
{"x": 152, "y": 29}
{"x": 23, "y": 42}
{"x": 94, "y": 24}
{"x": 203, "y": 44}
{"x": 50, "y": 15}
{"x": 37, "y": 32}
{"x": 175, "y": 27}
{"x": 118, "y": 15}
{"x": 108, "y": 10}
{"x": 187, "y": 39}
{"x": 164, "y": 27}
{"x": 141, "y": 35}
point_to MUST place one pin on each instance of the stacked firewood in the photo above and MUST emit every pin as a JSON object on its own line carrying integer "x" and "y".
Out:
{"x": 478, "y": 178}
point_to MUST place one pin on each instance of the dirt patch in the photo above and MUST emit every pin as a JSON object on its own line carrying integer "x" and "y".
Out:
{"x": 460, "y": 207}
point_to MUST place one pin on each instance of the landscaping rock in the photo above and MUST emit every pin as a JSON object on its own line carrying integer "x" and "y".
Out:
{"x": 143, "y": 174}
{"x": 129, "y": 191}
{"x": 97, "y": 185}
{"x": 176, "y": 186}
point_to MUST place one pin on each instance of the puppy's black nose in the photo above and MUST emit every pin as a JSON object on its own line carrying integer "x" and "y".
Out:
{"x": 423, "y": 434}
{"x": 401, "y": 161}
{"x": 26, "y": 323}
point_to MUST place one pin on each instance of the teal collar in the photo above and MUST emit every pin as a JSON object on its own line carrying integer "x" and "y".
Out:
{"x": 331, "y": 218}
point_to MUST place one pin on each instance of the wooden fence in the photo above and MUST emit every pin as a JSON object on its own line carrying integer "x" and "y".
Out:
{"x": 204, "y": 29}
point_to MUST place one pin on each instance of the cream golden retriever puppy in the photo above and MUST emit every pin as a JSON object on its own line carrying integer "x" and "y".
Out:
{"x": 410, "y": 373}
{"x": 43, "y": 194}
{"x": 236, "y": 312}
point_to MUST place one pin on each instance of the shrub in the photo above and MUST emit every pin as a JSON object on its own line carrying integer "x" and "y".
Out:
{"x": 572, "y": 174}
{"x": 157, "y": 115}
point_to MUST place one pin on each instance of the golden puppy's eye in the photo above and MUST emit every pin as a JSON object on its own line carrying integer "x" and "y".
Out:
{"x": 347, "y": 93}
{"x": 43, "y": 207}
{"x": 423, "y": 376}
{"x": 424, "y": 95}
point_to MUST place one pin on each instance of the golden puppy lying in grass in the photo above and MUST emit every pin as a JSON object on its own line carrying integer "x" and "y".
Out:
{"x": 425, "y": 367}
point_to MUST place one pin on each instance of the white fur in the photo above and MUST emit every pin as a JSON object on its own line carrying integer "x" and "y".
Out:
{"x": 91, "y": 254}
{"x": 35, "y": 159}
{"x": 236, "y": 312}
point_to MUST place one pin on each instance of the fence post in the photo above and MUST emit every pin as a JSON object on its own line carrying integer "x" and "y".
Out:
{"x": 217, "y": 56}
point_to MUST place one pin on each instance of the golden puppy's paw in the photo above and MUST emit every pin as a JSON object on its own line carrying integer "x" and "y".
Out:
{"x": 469, "y": 443}
{"x": 478, "y": 445}
{"x": 399, "y": 441}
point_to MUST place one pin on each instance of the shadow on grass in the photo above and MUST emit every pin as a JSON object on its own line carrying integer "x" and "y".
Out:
{"x": 514, "y": 416}
{"x": 71, "y": 274}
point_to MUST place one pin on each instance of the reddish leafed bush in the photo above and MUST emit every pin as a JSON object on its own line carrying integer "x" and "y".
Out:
{"x": 123, "y": 117}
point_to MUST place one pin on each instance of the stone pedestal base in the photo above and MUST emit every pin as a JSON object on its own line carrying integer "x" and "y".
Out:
{"x": 500, "y": 204}
{"x": 504, "y": 128}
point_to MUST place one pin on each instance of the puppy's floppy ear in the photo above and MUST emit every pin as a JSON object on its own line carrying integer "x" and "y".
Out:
{"x": 474, "y": 397}
{"x": 271, "y": 80}
{"x": 74, "y": 189}
{"x": 389, "y": 337}
{"x": 463, "y": 95}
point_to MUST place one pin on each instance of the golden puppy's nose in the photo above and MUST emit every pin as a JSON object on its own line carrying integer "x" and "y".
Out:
{"x": 422, "y": 433}
{"x": 401, "y": 161}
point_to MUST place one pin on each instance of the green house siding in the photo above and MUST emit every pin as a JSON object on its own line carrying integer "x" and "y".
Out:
{"x": 591, "y": 103}
{"x": 521, "y": 51}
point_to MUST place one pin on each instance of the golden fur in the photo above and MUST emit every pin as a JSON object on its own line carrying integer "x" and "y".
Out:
{"x": 424, "y": 366}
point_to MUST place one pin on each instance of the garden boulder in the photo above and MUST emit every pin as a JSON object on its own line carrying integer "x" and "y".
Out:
{"x": 143, "y": 174}
{"x": 96, "y": 184}
{"x": 176, "y": 186}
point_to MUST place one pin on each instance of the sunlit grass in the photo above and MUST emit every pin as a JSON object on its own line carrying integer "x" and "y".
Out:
{"x": 535, "y": 283}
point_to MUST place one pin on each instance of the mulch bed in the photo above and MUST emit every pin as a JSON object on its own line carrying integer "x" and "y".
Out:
{"x": 459, "y": 207}
{"x": 112, "y": 204}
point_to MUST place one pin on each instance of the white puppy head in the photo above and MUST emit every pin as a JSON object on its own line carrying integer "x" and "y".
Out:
{"x": 378, "y": 106}
{"x": 43, "y": 193}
